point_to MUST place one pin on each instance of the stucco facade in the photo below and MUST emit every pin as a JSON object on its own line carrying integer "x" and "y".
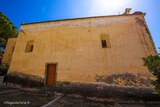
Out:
{"x": 9, "y": 51}
{"x": 75, "y": 46}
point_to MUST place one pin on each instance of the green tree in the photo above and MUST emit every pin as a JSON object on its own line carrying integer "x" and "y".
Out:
{"x": 7, "y": 30}
{"x": 153, "y": 64}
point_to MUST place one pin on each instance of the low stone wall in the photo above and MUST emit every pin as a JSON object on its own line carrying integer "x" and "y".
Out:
{"x": 25, "y": 80}
{"x": 97, "y": 89}
{"x": 107, "y": 91}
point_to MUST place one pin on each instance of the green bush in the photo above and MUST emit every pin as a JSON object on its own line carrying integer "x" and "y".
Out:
{"x": 153, "y": 64}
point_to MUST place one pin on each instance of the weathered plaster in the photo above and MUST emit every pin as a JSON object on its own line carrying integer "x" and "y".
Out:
{"x": 76, "y": 46}
{"x": 9, "y": 51}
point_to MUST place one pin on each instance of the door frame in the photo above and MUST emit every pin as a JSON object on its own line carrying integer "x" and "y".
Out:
{"x": 45, "y": 76}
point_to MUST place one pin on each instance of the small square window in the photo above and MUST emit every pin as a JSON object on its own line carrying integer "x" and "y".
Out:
{"x": 29, "y": 46}
{"x": 104, "y": 44}
{"x": 105, "y": 41}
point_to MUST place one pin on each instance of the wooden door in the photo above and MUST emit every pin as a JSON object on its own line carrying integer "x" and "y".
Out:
{"x": 51, "y": 74}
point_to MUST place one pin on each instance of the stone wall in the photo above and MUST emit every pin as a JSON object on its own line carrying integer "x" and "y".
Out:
{"x": 25, "y": 80}
{"x": 112, "y": 92}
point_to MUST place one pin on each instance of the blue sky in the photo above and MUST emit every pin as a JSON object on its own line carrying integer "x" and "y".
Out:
{"x": 27, "y": 11}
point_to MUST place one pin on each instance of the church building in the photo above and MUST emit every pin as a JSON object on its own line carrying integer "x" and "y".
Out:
{"x": 79, "y": 49}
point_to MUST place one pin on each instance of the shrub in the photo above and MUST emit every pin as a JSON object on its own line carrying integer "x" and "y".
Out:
{"x": 153, "y": 64}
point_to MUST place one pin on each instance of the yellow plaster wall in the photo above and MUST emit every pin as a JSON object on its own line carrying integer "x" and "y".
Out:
{"x": 75, "y": 45}
{"x": 9, "y": 51}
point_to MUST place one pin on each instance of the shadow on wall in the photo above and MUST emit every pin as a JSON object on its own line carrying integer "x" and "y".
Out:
{"x": 126, "y": 79}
